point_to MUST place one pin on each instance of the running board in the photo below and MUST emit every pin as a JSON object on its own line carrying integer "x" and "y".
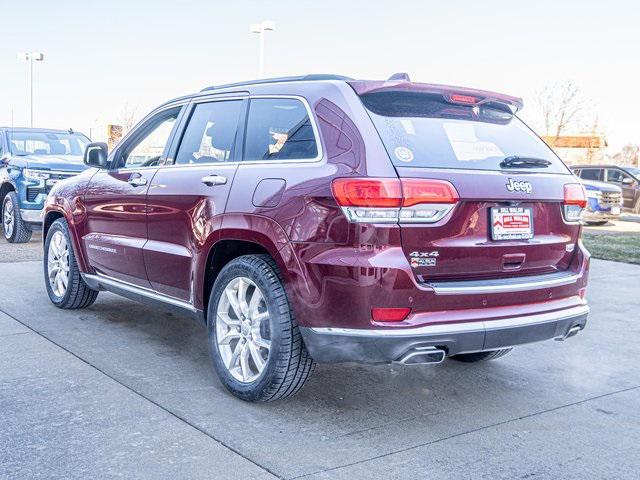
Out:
{"x": 143, "y": 295}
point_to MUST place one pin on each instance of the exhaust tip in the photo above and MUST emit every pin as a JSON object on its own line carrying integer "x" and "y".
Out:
{"x": 422, "y": 356}
{"x": 570, "y": 333}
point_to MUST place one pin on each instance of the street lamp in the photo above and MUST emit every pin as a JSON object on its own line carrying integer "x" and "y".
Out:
{"x": 260, "y": 28}
{"x": 31, "y": 57}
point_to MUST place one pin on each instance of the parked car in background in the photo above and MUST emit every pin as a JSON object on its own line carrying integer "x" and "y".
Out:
{"x": 604, "y": 202}
{"x": 627, "y": 178}
{"x": 324, "y": 219}
{"x": 32, "y": 160}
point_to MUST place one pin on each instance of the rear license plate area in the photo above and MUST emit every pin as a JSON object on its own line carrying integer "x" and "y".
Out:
{"x": 511, "y": 223}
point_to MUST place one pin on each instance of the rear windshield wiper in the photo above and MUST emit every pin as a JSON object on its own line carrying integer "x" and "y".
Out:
{"x": 515, "y": 161}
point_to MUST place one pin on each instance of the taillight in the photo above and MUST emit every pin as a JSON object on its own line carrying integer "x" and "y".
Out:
{"x": 391, "y": 200}
{"x": 389, "y": 314}
{"x": 575, "y": 200}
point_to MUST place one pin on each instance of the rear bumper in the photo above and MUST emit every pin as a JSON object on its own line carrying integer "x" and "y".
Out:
{"x": 331, "y": 345}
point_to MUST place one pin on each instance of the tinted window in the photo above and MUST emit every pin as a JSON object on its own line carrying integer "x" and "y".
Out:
{"x": 149, "y": 144}
{"x": 279, "y": 129}
{"x": 211, "y": 133}
{"x": 423, "y": 130}
{"x": 27, "y": 142}
{"x": 591, "y": 174}
{"x": 616, "y": 176}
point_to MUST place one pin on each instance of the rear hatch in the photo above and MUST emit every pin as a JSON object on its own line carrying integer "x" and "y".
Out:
{"x": 509, "y": 218}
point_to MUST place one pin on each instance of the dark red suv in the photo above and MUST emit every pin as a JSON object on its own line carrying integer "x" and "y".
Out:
{"x": 325, "y": 219}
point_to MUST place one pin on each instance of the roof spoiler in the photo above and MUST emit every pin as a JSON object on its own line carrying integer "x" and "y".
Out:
{"x": 457, "y": 95}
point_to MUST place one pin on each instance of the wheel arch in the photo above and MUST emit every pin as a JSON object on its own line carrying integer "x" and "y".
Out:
{"x": 242, "y": 234}
{"x": 5, "y": 188}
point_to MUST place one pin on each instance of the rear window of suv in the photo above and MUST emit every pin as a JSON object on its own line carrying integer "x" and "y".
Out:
{"x": 423, "y": 130}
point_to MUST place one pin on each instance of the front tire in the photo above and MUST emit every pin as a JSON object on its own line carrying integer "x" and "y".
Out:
{"x": 481, "y": 356}
{"x": 65, "y": 286}
{"x": 14, "y": 228}
{"x": 255, "y": 343}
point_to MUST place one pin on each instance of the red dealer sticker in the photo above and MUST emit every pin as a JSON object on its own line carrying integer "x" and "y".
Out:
{"x": 511, "y": 223}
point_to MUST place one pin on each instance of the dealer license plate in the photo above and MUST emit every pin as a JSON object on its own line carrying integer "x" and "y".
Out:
{"x": 511, "y": 223}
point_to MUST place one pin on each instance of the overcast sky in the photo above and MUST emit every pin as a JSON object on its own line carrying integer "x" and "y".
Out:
{"x": 101, "y": 56}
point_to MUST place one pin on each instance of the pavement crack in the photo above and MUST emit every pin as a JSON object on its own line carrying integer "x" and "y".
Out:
{"x": 148, "y": 399}
{"x": 466, "y": 432}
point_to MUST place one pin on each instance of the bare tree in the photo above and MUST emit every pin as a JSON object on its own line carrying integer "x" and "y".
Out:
{"x": 628, "y": 155}
{"x": 561, "y": 106}
{"x": 128, "y": 117}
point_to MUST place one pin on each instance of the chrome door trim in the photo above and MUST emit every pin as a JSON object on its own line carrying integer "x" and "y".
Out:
{"x": 504, "y": 285}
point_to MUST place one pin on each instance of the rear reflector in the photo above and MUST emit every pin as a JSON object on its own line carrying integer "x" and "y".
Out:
{"x": 389, "y": 314}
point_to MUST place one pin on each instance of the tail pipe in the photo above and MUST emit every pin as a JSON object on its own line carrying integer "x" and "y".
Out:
{"x": 422, "y": 355}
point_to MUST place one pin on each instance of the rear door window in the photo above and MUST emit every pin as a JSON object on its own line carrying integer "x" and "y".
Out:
{"x": 210, "y": 135}
{"x": 591, "y": 174}
{"x": 279, "y": 129}
{"x": 423, "y": 130}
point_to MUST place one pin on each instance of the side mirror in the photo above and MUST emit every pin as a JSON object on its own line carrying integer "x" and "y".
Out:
{"x": 95, "y": 155}
{"x": 627, "y": 181}
{"x": 4, "y": 160}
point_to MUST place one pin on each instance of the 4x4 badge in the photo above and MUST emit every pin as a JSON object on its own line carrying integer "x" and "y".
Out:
{"x": 519, "y": 186}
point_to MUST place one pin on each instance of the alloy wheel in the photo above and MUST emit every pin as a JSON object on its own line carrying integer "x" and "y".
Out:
{"x": 7, "y": 217}
{"x": 58, "y": 264}
{"x": 242, "y": 329}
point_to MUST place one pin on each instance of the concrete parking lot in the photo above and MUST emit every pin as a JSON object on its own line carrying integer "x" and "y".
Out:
{"x": 123, "y": 390}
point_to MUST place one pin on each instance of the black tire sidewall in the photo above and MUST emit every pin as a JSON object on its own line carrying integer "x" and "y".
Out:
{"x": 59, "y": 226}
{"x": 244, "y": 267}
{"x": 18, "y": 224}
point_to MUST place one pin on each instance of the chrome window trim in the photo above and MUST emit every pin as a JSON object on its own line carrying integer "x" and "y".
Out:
{"x": 457, "y": 328}
{"x": 105, "y": 280}
{"x": 195, "y": 101}
{"x": 517, "y": 284}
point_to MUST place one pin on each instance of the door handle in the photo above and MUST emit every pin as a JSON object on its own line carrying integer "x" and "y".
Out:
{"x": 137, "y": 181}
{"x": 211, "y": 180}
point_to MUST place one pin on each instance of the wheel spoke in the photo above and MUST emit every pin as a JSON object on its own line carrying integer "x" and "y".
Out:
{"x": 260, "y": 317}
{"x": 257, "y": 358}
{"x": 230, "y": 335}
{"x": 235, "y": 355}
{"x": 227, "y": 320}
{"x": 242, "y": 297}
{"x": 233, "y": 301}
{"x": 244, "y": 362}
{"x": 262, "y": 343}
{"x": 256, "y": 298}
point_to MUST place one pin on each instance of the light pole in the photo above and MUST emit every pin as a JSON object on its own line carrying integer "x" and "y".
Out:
{"x": 31, "y": 57}
{"x": 260, "y": 28}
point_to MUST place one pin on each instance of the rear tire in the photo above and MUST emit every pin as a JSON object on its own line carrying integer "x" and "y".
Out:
{"x": 255, "y": 343}
{"x": 65, "y": 286}
{"x": 481, "y": 356}
{"x": 14, "y": 228}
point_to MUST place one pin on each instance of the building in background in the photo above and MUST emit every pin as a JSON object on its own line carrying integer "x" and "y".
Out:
{"x": 579, "y": 149}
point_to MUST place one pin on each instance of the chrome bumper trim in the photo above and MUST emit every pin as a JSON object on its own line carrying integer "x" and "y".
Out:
{"x": 504, "y": 285}
{"x": 453, "y": 328}
{"x": 31, "y": 216}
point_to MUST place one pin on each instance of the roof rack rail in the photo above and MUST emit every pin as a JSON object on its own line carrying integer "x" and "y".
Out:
{"x": 300, "y": 78}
